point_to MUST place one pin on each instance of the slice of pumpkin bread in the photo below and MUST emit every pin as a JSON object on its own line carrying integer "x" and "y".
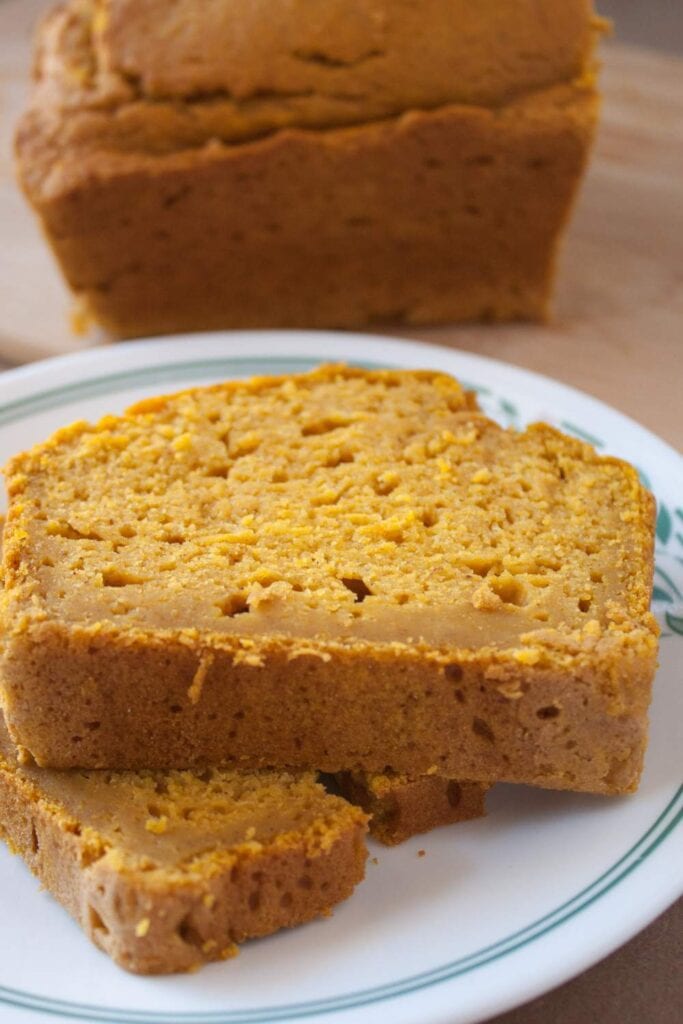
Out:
{"x": 342, "y": 570}
{"x": 401, "y": 807}
{"x": 165, "y": 872}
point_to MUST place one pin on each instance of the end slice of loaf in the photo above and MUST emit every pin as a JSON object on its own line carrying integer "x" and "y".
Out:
{"x": 401, "y": 807}
{"x": 165, "y": 872}
{"x": 341, "y": 570}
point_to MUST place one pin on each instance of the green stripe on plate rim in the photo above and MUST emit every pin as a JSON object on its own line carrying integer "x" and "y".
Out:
{"x": 666, "y": 822}
{"x": 166, "y": 373}
{"x": 672, "y": 814}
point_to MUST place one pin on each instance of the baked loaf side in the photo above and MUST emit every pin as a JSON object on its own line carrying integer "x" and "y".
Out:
{"x": 166, "y": 872}
{"x": 308, "y": 165}
{"x": 343, "y": 570}
{"x": 401, "y": 807}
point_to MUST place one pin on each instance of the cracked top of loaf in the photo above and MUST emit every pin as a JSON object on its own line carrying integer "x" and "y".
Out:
{"x": 342, "y": 506}
{"x": 393, "y": 53}
{"x": 178, "y": 75}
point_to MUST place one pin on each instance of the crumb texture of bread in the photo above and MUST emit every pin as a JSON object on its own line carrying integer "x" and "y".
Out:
{"x": 307, "y": 164}
{"x": 165, "y": 872}
{"x": 341, "y": 570}
{"x": 401, "y": 807}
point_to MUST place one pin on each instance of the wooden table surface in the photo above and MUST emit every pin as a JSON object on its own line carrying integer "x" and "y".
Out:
{"x": 617, "y": 334}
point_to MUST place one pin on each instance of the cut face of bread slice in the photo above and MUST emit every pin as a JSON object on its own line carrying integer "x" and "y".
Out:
{"x": 344, "y": 570}
{"x": 401, "y": 807}
{"x": 165, "y": 872}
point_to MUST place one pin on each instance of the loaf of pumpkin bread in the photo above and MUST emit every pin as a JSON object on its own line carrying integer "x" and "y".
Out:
{"x": 165, "y": 872}
{"x": 342, "y": 570}
{"x": 306, "y": 164}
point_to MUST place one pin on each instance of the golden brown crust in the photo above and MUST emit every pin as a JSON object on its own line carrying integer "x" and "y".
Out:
{"x": 163, "y": 920}
{"x": 338, "y": 62}
{"x": 401, "y": 807}
{"x": 477, "y": 53}
{"x": 575, "y": 719}
{"x": 132, "y": 191}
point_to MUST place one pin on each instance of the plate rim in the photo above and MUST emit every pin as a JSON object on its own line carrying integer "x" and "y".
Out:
{"x": 279, "y": 338}
{"x": 667, "y": 819}
{"x": 175, "y": 346}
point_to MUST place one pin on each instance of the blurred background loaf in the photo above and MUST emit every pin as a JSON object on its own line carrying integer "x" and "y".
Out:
{"x": 308, "y": 165}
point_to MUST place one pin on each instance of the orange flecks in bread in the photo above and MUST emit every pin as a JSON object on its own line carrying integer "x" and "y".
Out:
{"x": 183, "y": 515}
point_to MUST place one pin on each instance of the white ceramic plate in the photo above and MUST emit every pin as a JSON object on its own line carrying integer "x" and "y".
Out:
{"x": 496, "y": 911}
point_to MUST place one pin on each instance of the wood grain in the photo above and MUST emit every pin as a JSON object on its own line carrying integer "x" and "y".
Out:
{"x": 619, "y": 311}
